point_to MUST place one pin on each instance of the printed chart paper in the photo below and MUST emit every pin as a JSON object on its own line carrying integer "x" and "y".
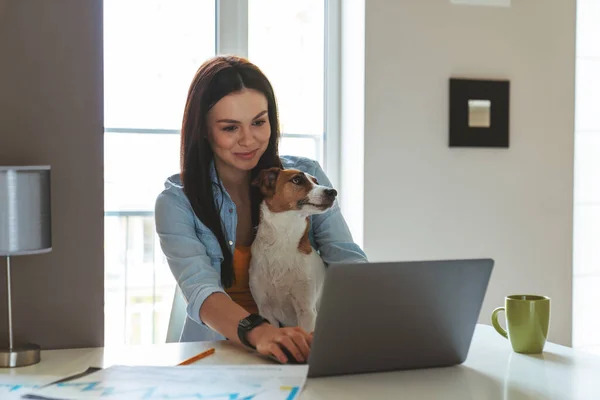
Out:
{"x": 256, "y": 382}
{"x": 12, "y": 387}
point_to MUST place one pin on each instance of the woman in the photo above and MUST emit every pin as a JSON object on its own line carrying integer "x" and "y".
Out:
{"x": 207, "y": 215}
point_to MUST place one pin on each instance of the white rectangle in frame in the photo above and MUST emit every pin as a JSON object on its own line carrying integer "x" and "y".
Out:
{"x": 491, "y": 3}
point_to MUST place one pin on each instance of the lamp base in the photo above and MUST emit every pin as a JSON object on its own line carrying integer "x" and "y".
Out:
{"x": 20, "y": 356}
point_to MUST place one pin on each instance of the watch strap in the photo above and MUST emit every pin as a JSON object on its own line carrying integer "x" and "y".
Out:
{"x": 246, "y": 325}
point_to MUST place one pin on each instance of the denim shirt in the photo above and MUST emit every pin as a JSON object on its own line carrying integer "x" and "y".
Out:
{"x": 194, "y": 255}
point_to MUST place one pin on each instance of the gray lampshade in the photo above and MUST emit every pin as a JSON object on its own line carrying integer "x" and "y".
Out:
{"x": 25, "y": 226}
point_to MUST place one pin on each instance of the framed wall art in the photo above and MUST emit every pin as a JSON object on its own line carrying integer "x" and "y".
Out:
{"x": 479, "y": 113}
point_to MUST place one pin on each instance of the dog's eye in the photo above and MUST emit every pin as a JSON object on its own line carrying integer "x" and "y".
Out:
{"x": 296, "y": 180}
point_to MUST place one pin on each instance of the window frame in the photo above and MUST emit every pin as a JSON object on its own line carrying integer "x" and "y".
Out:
{"x": 231, "y": 37}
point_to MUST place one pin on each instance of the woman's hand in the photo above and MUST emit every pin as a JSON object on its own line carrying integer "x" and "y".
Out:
{"x": 269, "y": 340}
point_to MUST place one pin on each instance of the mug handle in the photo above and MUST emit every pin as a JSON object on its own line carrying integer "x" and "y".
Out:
{"x": 497, "y": 326}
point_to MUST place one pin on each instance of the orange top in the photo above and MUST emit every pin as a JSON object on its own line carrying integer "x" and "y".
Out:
{"x": 240, "y": 291}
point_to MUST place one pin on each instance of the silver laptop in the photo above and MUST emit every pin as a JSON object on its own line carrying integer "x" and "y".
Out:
{"x": 398, "y": 315}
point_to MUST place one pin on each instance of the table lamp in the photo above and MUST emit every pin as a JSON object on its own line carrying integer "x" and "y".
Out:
{"x": 24, "y": 229}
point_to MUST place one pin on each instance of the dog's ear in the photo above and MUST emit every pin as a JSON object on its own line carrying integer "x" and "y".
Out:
{"x": 266, "y": 180}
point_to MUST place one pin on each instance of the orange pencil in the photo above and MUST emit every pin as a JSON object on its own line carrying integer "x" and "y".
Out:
{"x": 197, "y": 357}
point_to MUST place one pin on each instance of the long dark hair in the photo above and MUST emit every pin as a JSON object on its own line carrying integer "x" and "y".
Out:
{"x": 215, "y": 79}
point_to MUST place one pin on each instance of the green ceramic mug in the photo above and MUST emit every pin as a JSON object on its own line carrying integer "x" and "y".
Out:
{"x": 527, "y": 321}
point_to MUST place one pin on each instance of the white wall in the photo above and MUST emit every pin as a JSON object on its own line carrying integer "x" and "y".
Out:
{"x": 424, "y": 200}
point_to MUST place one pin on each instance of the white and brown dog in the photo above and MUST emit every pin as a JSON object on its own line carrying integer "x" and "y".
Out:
{"x": 286, "y": 273}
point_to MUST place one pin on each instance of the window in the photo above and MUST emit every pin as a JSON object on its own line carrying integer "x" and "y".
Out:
{"x": 295, "y": 70}
{"x": 148, "y": 240}
{"x": 586, "y": 217}
{"x": 152, "y": 48}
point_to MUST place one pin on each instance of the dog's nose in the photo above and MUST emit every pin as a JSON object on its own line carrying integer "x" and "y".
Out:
{"x": 331, "y": 192}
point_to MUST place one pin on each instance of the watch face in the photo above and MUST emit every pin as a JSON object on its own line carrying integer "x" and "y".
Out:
{"x": 245, "y": 323}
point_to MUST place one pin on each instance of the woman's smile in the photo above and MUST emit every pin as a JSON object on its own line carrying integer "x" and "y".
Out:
{"x": 246, "y": 156}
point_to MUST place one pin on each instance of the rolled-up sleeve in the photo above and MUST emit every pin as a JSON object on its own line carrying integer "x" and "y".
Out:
{"x": 331, "y": 232}
{"x": 185, "y": 253}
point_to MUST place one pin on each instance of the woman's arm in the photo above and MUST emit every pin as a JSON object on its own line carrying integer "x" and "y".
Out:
{"x": 332, "y": 235}
{"x": 208, "y": 304}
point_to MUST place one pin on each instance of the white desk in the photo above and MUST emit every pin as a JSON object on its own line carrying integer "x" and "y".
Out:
{"x": 491, "y": 371}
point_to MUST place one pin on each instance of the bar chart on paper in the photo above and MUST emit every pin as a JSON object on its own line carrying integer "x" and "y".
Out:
{"x": 256, "y": 382}
{"x": 12, "y": 387}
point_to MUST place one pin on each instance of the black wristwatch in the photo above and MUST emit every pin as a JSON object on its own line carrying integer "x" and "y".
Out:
{"x": 246, "y": 325}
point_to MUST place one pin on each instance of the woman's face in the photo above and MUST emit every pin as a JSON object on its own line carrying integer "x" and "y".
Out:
{"x": 239, "y": 129}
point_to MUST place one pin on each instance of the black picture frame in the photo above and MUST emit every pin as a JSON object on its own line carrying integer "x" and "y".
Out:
{"x": 496, "y": 134}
